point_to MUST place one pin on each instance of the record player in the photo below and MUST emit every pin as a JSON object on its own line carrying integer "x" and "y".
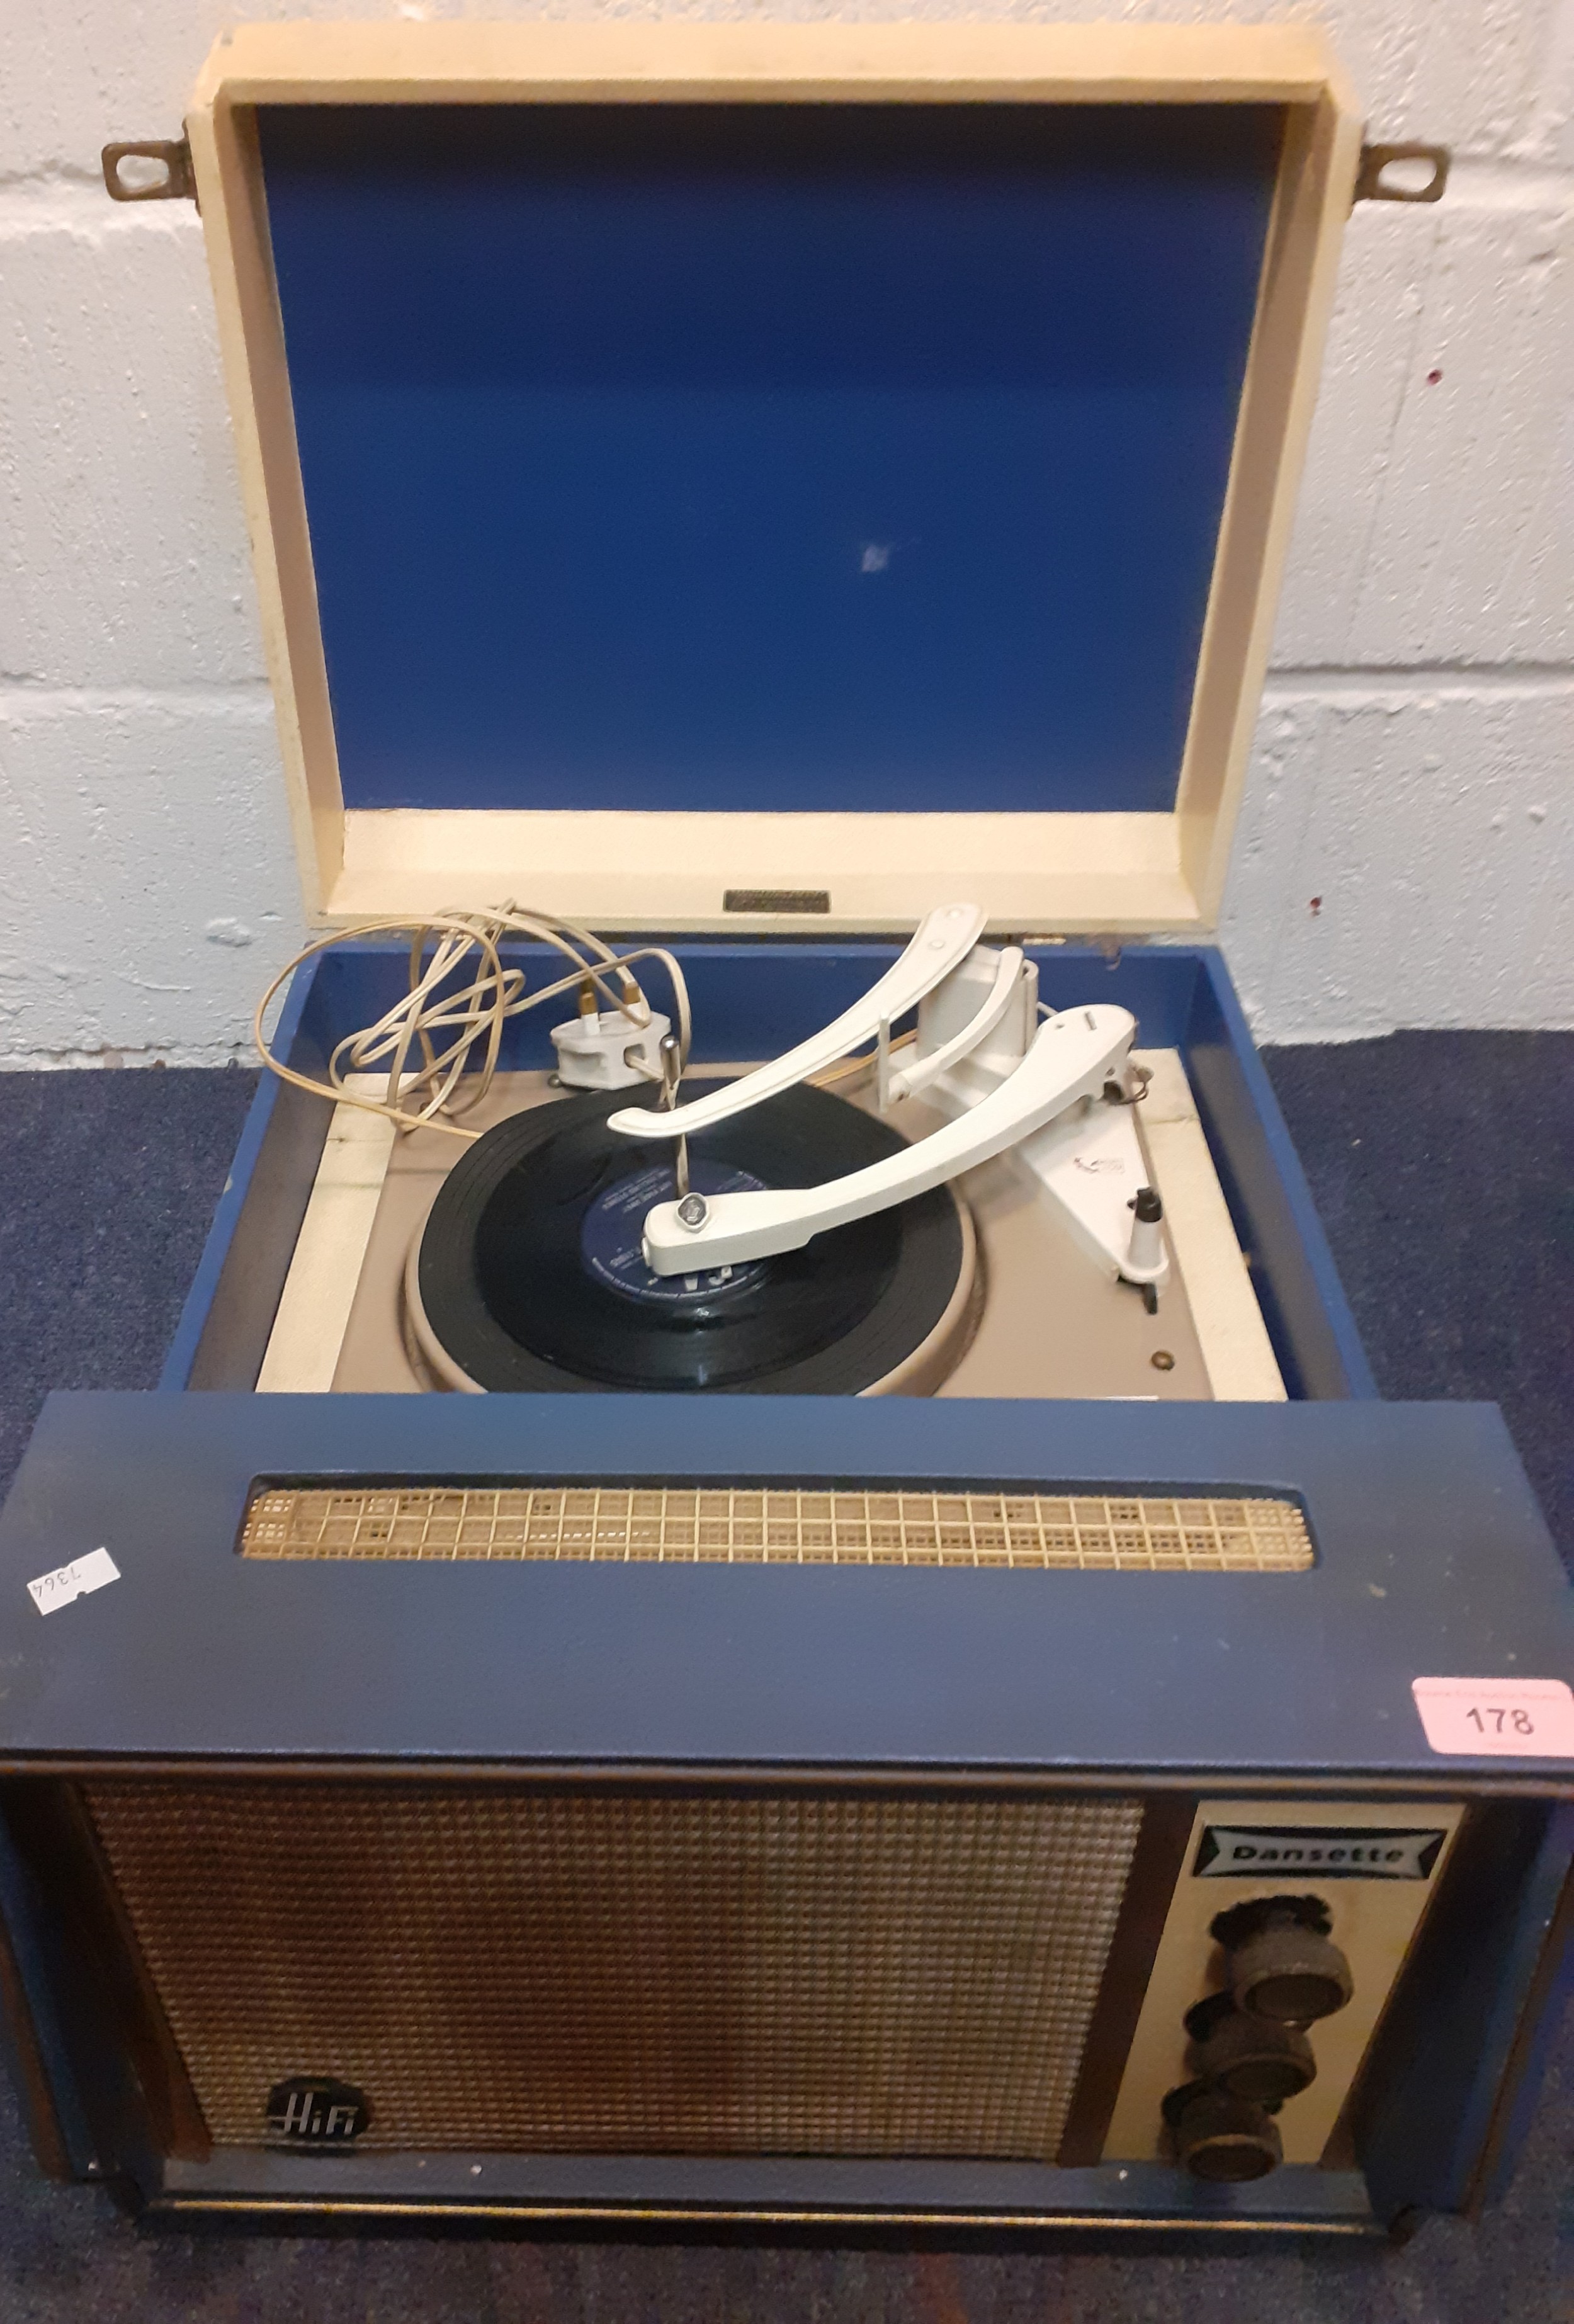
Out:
{"x": 767, "y": 1580}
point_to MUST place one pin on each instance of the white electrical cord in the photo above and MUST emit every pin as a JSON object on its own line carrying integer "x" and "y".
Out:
{"x": 420, "y": 1095}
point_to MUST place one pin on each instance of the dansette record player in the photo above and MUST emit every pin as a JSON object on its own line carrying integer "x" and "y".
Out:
{"x": 766, "y": 1580}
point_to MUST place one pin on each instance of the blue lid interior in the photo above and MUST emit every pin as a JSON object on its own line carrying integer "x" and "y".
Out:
{"x": 767, "y": 456}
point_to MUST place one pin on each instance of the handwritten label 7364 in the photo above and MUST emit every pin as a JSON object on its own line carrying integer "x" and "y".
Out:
{"x": 52, "y": 1591}
{"x": 1497, "y": 1718}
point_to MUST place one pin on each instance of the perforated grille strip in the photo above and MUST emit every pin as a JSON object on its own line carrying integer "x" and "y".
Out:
{"x": 704, "y": 1971}
{"x": 687, "y": 1524}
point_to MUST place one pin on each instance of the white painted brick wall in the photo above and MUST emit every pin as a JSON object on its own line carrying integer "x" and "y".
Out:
{"x": 1406, "y": 854}
{"x": 146, "y": 878}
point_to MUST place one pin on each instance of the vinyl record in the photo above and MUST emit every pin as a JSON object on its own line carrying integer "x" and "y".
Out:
{"x": 527, "y": 1273}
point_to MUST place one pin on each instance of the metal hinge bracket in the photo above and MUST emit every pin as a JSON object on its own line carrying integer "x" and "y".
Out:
{"x": 177, "y": 184}
{"x": 1372, "y": 184}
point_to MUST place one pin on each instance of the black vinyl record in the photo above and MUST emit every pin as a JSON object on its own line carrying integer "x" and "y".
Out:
{"x": 528, "y": 1274}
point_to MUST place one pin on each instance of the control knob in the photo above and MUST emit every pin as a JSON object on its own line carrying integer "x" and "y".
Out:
{"x": 1218, "y": 2137}
{"x": 1251, "y": 2057}
{"x": 1280, "y": 1960}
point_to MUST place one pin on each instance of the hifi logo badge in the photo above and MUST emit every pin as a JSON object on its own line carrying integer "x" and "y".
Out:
{"x": 314, "y": 2110}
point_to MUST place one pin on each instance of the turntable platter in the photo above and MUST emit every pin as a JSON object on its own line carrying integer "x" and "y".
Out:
{"x": 527, "y": 1273}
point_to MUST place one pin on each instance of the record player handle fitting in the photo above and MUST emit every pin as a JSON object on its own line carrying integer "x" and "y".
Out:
{"x": 1072, "y": 1057}
{"x": 944, "y": 937}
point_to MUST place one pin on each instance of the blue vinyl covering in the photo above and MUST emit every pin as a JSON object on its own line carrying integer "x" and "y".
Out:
{"x": 1431, "y": 1560}
{"x": 772, "y": 456}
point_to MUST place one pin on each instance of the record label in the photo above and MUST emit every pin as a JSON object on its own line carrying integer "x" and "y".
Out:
{"x": 610, "y": 1239}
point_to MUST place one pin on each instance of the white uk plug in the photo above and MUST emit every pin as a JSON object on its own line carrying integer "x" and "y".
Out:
{"x": 607, "y": 1052}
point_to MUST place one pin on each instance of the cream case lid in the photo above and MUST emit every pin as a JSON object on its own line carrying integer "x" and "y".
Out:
{"x": 740, "y": 477}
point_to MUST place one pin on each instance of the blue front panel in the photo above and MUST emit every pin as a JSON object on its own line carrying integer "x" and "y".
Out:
{"x": 1432, "y": 1560}
{"x": 784, "y": 458}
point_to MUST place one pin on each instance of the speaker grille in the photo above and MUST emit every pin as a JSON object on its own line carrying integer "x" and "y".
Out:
{"x": 571, "y": 1969}
{"x": 688, "y": 1524}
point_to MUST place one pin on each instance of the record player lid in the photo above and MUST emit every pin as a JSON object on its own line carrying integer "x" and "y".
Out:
{"x": 724, "y": 476}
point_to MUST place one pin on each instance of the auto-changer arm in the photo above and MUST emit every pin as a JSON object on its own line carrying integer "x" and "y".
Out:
{"x": 1072, "y": 1057}
{"x": 943, "y": 937}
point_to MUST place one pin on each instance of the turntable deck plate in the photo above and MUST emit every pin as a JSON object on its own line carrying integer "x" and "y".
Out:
{"x": 1050, "y": 1326}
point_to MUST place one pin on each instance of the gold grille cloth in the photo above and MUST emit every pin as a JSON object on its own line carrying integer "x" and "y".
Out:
{"x": 815, "y": 1970}
{"x": 688, "y": 1524}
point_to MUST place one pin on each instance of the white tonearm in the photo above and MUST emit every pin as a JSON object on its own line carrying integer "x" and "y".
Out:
{"x": 1072, "y": 1056}
{"x": 1055, "y": 1094}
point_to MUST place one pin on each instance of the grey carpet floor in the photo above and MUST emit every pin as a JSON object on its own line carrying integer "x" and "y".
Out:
{"x": 1444, "y": 1166}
